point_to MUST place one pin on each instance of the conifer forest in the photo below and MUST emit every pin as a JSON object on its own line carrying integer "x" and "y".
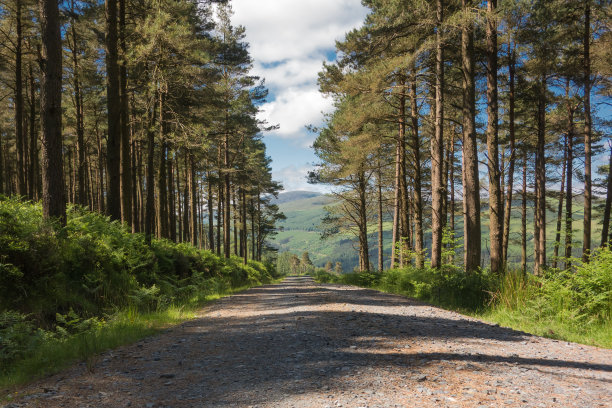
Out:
{"x": 454, "y": 157}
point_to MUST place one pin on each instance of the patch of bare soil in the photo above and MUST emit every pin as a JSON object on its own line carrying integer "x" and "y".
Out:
{"x": 301, "y": 344}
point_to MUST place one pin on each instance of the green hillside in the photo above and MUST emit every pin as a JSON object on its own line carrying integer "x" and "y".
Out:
{"x": 305, "y": 210}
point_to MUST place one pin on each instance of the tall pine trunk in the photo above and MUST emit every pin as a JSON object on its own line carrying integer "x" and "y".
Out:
{"x": 560, "y": 209}
{"x": 437, "y": 154}
{"x": 512, "y": 159}
{"x": 113, "y": 140}
{"x": 19, "y": 134}
{"x": 586, "y": 243}
{"x": 417, "y": 202}
{"x": 126, "y": 164}
{"x": 471, "y": 185}
{"x": 496, "y": 208}
{"x": 568, "y": 190}
{"x": 54, "y": 199}
{"x": 540, "y": 186}
{"x": 211, "y": 231}
{"x": 605, "y": 231}
{"x": 524, "y": 217}
{"x": 150, "y": 179}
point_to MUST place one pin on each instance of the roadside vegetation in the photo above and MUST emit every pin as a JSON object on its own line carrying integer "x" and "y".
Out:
{"x": 68, "y": 293}
{"x": 572, "y": 305}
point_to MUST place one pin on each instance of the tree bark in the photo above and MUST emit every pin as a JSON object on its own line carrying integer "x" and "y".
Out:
{"x": 605, "y": 231}
{"x": 19, "y": 133}
{"x": 560, "y": 210}
{"x": 54, "y": 199}
{"x": 211, "y": 231}
{"x": 227, "y": 210}
{"x": 193, "y": 216}
{"x": 126, "y": 171}
{"x": 162, "y": 209}
{"x": 33, "y": 171}
{"x": 363, "y": 226}
{"x": 437, "y": 154}
{"x": 496, "y": 208}
{"x": 171, "y": 200}
{"x": 471, "y": 194}
{"x": 417, "y": 202}
{"x": 380, "y": 219}
{"x": 80, "y": 128}
{"x": 586, "y": 243}
{"x": 524, "y": 217}
{"x": 150, "y": 179}
{"x": 570, "y": 175}
{"x": 113, "y": 141}
{"x": 512, "y": 159}
{"x": 540, "y": 187}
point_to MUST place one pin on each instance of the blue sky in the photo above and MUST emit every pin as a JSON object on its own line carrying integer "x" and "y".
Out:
{"x": 289, "y": 40}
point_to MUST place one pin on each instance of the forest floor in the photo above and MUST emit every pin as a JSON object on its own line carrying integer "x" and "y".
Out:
{"x": 301, "y": 344}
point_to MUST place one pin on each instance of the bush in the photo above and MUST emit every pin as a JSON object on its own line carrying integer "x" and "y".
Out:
{"x": 67, "y": 280}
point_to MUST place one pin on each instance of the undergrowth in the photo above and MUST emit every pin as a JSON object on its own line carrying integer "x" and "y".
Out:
{"x": 573, "y": 305}
{"x": 66, "y": 294}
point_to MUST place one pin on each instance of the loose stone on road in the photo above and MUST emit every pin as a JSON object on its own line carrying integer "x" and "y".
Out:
{"x": 302, "y": 344}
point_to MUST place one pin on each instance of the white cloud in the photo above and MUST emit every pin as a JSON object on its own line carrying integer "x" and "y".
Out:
{"x": 289, "y": 40}
{"x": 288, "y": 29}
{"x": 295, "y": 108}
{"x": 294, "y": 178}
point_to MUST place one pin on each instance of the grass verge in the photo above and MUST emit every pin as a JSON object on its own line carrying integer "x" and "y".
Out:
{"x": 122, "y": 328}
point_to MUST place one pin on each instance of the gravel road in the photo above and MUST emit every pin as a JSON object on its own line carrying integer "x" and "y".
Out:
{"x": 301, "y": 344}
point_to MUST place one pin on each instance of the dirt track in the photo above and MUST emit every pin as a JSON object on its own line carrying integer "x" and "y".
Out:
{"x": 300, "y": 344}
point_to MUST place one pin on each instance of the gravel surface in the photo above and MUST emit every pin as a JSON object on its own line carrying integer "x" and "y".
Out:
{"x": 301, "y": 344}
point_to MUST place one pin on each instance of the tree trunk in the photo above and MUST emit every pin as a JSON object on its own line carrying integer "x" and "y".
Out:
{"x": 219, "y": 215}
{"x": 211, "y": 231}
{"x": 524, "y": 218}
{"x": 150, "y": 203}
{"x": 495, "y": 193}
{"x": 245, "y": 254}
{"x": 471, "y": 194}
{"x": 364, "y": 264}
{"x": 560, "y": 210}
{"x": 380, "y": 219}
{"x": 540, "y": 187}
{"x": 437, "y": 154}
{"x": 193, "y": 228}
{"x": 512, "y": 159}
{"x": 1, "y": 165}
{"x": 19, "y": 134}
{"x": 605, "y": 231}
{"x": 171, "y": 201}
{"x": 417, "y": 202}
{"x": 403, "y": 187}
{"x": 396, "y": 209}
{"x": 33, "y": 173}
{"x": 80, "y": 130}
{"x": 162, "y": 209}
{"x": 227, "y": 210}
{"x": 113, "y": 141}
{"x": 126, "y": 172}
{"x": 570, "y": 174}
{"x": 54, "y": 199}
{"x": 234, "y": 205}
{"x": 586, "y": 243}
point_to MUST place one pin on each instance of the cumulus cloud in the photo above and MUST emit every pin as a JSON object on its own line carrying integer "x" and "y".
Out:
{"x": 290, "y": 29}
{"x": 289, "y": 40}
{"x": 294, "y": 108}
{"x": 294, "y": 178}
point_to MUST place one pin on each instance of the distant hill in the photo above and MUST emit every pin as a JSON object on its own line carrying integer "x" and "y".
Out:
{"x": 294, "y": 196}
{"x": 305, "y": 210}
